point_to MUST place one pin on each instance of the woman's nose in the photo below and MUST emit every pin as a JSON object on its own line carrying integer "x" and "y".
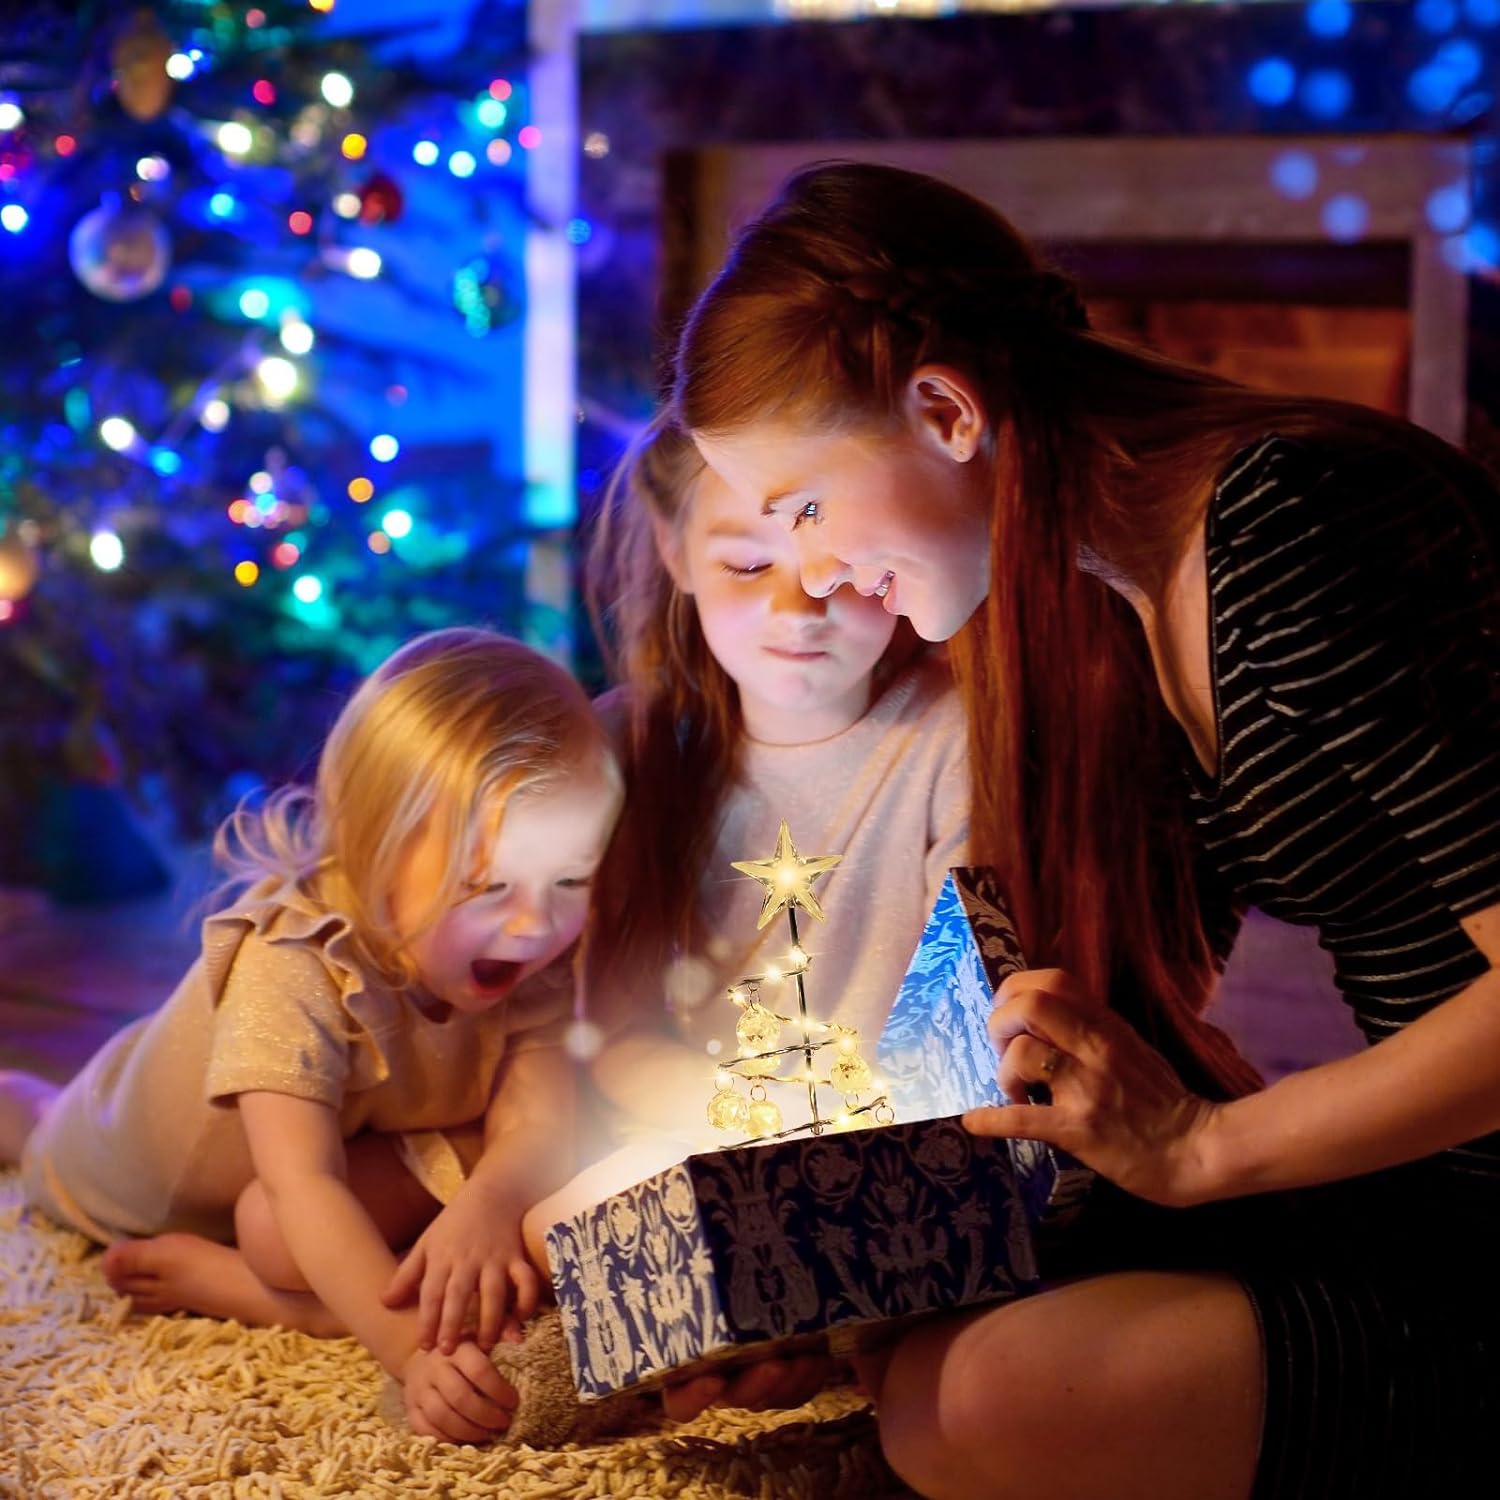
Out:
{"x": 792, "y": 597}
{"x": 822, "y": 574}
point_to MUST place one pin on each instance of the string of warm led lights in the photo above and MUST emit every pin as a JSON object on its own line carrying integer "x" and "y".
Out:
{"x": 788, "y": 880}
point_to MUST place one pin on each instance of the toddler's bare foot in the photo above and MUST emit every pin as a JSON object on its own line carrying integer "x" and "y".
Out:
{"x": 187, "y": 1273}
{"x": 24, "y": 1099}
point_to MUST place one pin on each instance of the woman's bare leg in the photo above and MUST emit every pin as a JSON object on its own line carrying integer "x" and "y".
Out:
{"x": 256, "y": 1281}
{"x": 1137, "y": 1386}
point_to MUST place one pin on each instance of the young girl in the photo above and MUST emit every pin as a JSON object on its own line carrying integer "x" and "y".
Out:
{"x": 1214, "y": 641}
{"x": 745, "y": 701}
{"x": 366, "y": 1053}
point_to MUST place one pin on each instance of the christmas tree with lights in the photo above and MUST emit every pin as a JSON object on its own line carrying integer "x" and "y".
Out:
{"x": 762, "y": 1056}
{"x": 223, "y": 228}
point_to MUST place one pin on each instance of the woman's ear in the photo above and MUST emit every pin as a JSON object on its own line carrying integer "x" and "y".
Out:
{"x": 669, "y": 549}
{"x": 943, "y": 406}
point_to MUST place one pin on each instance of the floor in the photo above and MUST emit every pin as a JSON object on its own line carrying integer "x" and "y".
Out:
{"x": 70, "y": 976}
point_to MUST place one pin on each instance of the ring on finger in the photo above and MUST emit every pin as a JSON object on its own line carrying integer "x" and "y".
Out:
{"x": 1051, "y": 1063}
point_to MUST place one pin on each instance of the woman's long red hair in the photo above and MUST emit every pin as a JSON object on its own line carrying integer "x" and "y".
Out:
{"x": 1102, "y": 454}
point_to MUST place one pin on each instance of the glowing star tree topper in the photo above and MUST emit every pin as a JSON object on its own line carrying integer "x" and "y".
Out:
{"x": 788, "y": 879}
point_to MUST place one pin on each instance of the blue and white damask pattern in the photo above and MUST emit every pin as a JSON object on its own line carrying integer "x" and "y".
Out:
{"x": 935, "y": 1052}
{"x": 733, "y": 1249}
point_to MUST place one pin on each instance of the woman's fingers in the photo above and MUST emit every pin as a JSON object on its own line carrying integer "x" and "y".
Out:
{"x": 686, "y": 1399}
{"x": 1030, "y": 1061}
{"x": 1026, "y": 1122}
{"x": 1047, "y": 1004}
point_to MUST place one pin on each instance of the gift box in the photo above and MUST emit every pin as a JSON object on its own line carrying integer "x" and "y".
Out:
{"x": 812, "y": 1242}
{"x": 935, "y": 1050}
{"x": 823, "y": 1241}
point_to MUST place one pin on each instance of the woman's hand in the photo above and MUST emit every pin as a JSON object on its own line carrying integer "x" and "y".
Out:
{"x": 460, "y": 1397}
{"x": 772, "y": 1382}
{"x": 472, "y": 1250}
{"x": 1116, "y": 1103}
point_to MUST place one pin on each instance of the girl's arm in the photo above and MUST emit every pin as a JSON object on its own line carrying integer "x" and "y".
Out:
{"x": 299, "y": 1158}
{"x": 1118, "y": 1107}
{"x": 474, "y": 1248}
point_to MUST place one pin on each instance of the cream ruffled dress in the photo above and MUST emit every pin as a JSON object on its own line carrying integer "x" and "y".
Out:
{"x": 147, "y": 1139}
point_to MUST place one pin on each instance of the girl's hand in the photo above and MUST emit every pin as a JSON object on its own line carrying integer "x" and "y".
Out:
{"x": 473, "y": 1249}
{"x": 1116, "y": 1103}
{"x": 460, "y": 1397}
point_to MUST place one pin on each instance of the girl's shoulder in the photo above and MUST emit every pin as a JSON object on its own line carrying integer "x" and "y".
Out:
{"x": 288, "y": 928}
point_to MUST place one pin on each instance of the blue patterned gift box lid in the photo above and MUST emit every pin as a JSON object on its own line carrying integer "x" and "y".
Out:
{"x": 935, "y": 1050}
{"x": 801, "y": 1242}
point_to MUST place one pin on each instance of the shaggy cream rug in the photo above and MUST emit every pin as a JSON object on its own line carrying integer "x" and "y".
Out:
{"x": 96, "y": 1403}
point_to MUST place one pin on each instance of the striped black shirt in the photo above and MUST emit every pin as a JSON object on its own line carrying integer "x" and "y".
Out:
{"x": 1353, "y": 605}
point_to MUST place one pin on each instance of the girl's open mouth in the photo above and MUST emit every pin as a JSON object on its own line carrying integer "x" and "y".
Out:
{"x": 494, "y": 976}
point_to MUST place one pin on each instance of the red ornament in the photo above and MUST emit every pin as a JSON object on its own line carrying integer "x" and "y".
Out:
{"x": 381, "y": 200}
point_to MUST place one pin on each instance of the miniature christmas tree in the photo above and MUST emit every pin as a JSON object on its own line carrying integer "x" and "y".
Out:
{"x": 788, "y": 879}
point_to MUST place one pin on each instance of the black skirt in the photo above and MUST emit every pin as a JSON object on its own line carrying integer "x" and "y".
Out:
{"x": 1379, "y": 1311}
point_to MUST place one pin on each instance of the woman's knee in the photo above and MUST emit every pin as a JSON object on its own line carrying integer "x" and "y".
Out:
{"x": 1130, "y": 1385}
{"x": 944, "y": 1424}
{"x": 259, "y": 1239}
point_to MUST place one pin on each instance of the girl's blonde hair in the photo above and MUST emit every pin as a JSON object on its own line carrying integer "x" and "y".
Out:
{"x": 450, "y": 726}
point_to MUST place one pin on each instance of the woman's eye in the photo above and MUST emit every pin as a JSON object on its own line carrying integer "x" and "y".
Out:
{"x": 753, "y": 571}
{"x": 576, "y": 882}
{"x": 808, "y": 512}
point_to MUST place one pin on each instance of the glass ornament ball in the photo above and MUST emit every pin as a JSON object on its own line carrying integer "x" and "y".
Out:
{"x": 728, "y": 1110}
{"x": 18, "y": 568}
{"x": 120, "y": 252}
{"x": 765, "y": 1118}
{"x": 751, "y": 1066}
{"x": 850, "y": 1074}
{"x": 757, "y": 1028}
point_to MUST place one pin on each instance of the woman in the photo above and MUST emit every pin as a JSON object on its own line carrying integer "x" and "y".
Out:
{"x": 1248, "y": 650}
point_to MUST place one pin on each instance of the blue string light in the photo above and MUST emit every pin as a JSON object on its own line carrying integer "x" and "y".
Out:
{"x": 1329, "y": 17}
{"x": 1272, "y": 81}
{"x": 1436, "y": 15}
{"x": 1327, "y": 93}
